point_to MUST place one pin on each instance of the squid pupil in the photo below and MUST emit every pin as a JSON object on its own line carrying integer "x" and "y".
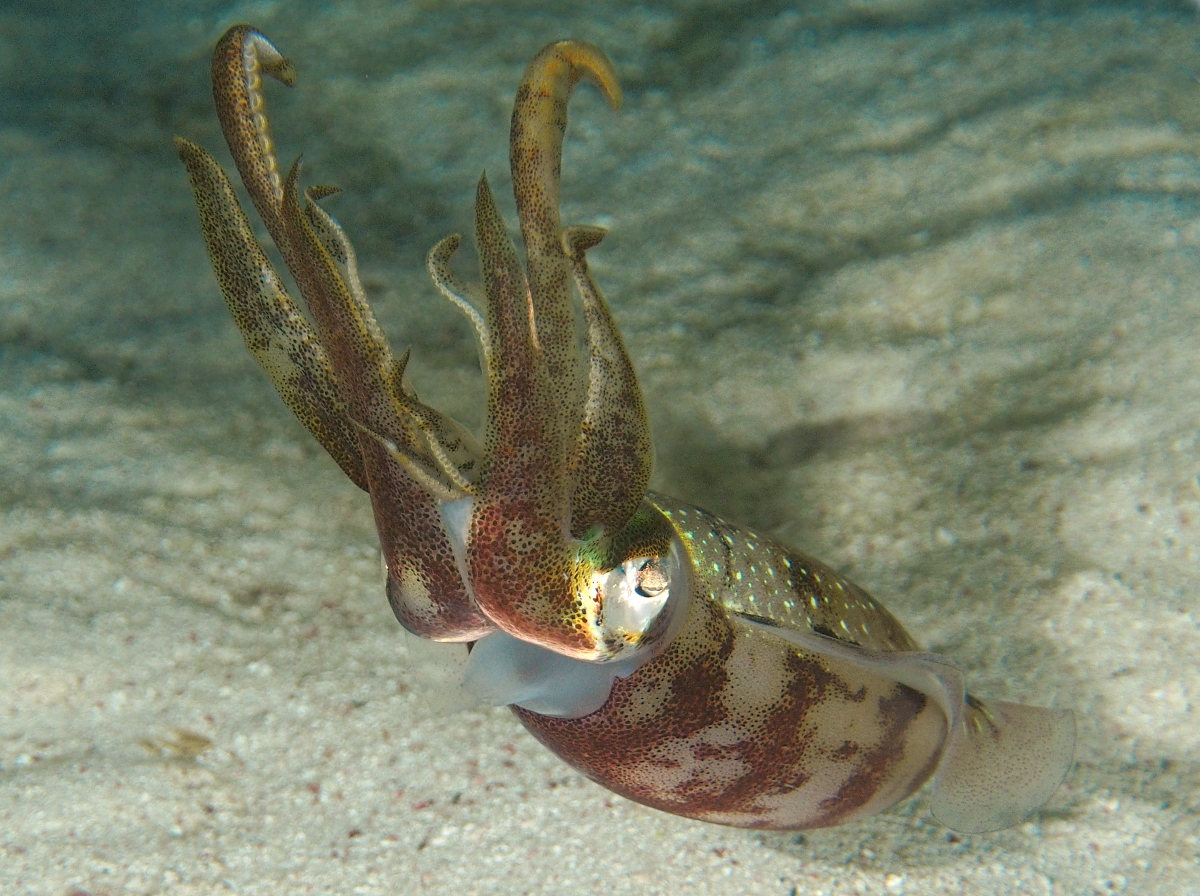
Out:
{"x": 652, "y": 579}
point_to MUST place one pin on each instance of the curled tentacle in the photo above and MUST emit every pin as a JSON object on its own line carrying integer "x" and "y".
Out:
{"x": 437, "y": 262}
{"x": 565, "y": 468}
{"x": 241, "y": 58}
{"x": 539, "y": 121}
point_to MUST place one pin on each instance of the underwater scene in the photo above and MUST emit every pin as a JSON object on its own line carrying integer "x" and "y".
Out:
{"x": 832, "y": 527}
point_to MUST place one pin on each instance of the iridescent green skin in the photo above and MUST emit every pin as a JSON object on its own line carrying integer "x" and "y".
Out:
{"x": 769, "y": 691}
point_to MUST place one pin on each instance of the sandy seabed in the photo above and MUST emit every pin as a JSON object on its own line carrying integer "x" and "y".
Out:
{"x": 914, "y": 286}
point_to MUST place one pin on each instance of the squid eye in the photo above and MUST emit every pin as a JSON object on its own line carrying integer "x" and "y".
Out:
{"x": 652, "y": 579}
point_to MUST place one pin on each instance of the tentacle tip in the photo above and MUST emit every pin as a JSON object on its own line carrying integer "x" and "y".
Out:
{"x": 446, "y": 246}
{"x": 193, "y": 156}
{"x": 593, "y": 64}
{"x": 581, "y": 237}
{"x": 284, "y": 71}
{"x": 321, "y": 192}
{"x": 483, "y": 194}
{"x": 611, "y": 90}
{"x": 293, "y": 175}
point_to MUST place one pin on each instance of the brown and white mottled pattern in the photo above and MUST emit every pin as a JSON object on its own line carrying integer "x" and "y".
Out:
{"x": 762, "y": 689}
{"x": 732, "y": 725}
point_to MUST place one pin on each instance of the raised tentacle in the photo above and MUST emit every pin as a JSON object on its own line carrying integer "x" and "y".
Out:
{"x": 395, "y": 432}
{"x": 531, "y": 573}
{"x": 614, "y": 454}
{"x": 407, "y": 455}
{"x": 437, "y": 262}
{"x": 272, "y": 324}
{"x": 331, "y": 290}
{"x": 438, "y": 436}
{"x": 539, "y": 122}
{"x": 240, "y": 59}
{"x": 242, "y": 56}
{"x": 520, "y": 566}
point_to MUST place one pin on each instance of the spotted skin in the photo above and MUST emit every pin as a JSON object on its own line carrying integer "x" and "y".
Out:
{"x": 760, "y": 688}
{"x": 241, "y": 58}
{"x": 272, "y": 324}
{"x": 538, "y": 510}
{"x": 733, "y": 726}
{"x": 334, "y": 371}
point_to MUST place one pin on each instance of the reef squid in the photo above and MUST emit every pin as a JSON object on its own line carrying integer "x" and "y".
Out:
{"x": 682, "y": 661}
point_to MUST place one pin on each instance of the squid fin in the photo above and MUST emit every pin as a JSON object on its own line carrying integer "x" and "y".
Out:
{"x": 1001, "y": 761}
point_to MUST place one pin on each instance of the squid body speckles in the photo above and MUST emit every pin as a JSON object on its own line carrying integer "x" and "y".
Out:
{"x": 677, "y": 659}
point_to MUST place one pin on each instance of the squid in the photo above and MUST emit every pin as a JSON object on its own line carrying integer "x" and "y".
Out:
{"x": 679, "y": 660}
